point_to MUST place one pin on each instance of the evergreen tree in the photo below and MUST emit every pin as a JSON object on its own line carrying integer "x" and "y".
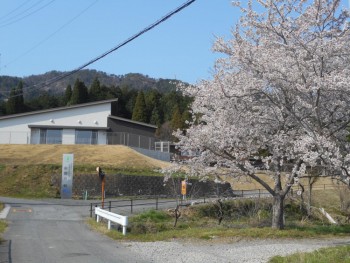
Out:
{"x": 19, "y": 98}
{"x": 95, "y": 91}
{"x": 169, "y": 102}
{"x": 68, "y": 94}
{"x": 15, "y": 103}
{"x": 11, "y": 102}
{"x": 186, "y": 116}
{"x": 128, "y": 99}
{"x": 152, "y": 98}
{"x": 155, "y": 117}
{"x": 80, "y": 93}
{"x": 176, "y": 120}
{"x": 139, "y": 111}
{"x": 2, "y": 108}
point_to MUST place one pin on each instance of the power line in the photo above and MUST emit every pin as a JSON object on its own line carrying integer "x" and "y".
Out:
{"x": 14, "y": 10}
{"x": 51, "y": 35}
{"x": 5, "y": 23}
{"x": 148, "y": 28}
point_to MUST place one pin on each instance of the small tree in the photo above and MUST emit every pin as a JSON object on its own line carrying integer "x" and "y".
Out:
{"x": 15, "y": 103}
{"x": 176, "y": 119}
{"x": 140, "y": 112}
{"x": 155, "y": 116}
{"x": 284, "y": 88}
{"x": 67, "y": 94}
{"x": 95, "y": 91}
{"x": 79, "y": 93}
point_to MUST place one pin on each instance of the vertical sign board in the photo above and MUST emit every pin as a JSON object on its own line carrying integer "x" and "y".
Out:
{"x": 183, "y": 187}
{"x": 67, "y": 176}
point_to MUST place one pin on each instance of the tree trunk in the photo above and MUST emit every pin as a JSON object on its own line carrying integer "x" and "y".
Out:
{"x": 309, "y": 199}
{"x": 278, "y": 212}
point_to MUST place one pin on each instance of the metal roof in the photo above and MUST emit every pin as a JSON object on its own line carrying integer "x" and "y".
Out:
{"x": 58, "y": 109}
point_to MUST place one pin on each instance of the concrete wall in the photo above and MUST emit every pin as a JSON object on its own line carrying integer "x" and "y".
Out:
{"x": 163, "y": 156}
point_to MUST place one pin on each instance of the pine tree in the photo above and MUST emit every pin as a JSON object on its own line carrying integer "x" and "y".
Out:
{"x": 95, "y": 91}
{"x": 68, "y": 94}
{"x": 176, "y": 119}
{"x": 19, "y": 98}
{"x": 155, "y": 117}
{"x": 15, "y": 103}
{"x": 80, "y": 93}
{"x": 139, "y": 111}
{"x": 11, "y": 102}
{"x": 152, "y": 98}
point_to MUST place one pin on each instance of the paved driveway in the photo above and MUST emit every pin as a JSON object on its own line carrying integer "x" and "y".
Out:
{"x": 54, "y": 232}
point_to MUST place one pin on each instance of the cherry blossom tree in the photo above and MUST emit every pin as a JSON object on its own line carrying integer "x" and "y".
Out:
{"x": 282, "y": 89}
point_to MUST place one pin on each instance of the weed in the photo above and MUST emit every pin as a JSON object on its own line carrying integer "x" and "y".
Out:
{"x": 200, "y": 222}
{"x": 151, "y": 215}
{"x": 340, "y": 254}
{"x": 150, "y": 222}
{"x": 3, "y": 226}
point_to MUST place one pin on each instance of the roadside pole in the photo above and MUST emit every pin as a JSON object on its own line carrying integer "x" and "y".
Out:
{"x": 101, "y": 175}
{"x": 183, "y": 189}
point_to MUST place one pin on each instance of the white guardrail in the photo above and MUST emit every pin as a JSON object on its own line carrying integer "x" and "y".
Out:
{"x": 112, "y": 217}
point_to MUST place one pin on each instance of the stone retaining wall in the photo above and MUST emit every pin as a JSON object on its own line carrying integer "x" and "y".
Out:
{"x": 133, "y": 185}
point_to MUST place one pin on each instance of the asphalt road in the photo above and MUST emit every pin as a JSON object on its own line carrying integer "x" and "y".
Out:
{"x": 55, "y": 232}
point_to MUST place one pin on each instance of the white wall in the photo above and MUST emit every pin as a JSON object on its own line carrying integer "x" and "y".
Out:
{"x": 68, "y": 136}
{"x": 88, "y": 116}
{"x": 102, "y": 137}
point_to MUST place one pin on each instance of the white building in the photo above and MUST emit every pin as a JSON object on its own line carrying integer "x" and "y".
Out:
{"x": 89, "y": 123}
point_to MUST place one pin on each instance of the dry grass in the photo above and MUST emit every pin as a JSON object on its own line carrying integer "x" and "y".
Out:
{"x": 107, "y": 155}
{"x": 246, "y": 183}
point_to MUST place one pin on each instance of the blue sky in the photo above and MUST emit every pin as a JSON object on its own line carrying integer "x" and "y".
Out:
{"x": 43, "y": 35}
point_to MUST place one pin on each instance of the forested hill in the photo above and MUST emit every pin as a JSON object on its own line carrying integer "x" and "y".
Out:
{"x": 132, "y": 81}
{"x": 140, "y": 97}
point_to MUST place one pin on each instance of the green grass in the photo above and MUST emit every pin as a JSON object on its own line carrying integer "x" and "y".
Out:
{"x": 166, "y": 232}
{"x": 34, "y": 181}
{"x": 200, "y": 222}
{"x": 340, "y": 254}
{"x": 109, "y": 169}
{"x": 3, "y": 223}
{"x": 3, "y": 226}
{"x": 28, "y": 181}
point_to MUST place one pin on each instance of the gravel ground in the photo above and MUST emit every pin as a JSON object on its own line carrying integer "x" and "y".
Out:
{"x": 240, "y": 251}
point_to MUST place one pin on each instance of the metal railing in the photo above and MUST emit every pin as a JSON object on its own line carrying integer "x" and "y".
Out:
{"x": 112, "y": 138}
{"x": 131, "y": 205}
{"x": 131, "y": 140}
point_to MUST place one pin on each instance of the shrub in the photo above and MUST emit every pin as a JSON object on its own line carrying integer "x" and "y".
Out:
{"x": 152, "y": 221}
{"x": 152, "y": 215}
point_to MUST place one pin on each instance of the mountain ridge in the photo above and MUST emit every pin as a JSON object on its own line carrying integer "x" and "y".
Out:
{"x": 136, "y": 81}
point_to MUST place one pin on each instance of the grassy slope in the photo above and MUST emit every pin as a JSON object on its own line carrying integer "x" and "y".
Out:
{"x": 103, "y": 155}
{"x": 25, "y": 169}
{"x": 23, "y": 166}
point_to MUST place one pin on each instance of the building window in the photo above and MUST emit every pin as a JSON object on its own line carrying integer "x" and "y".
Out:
{"x": 50, "y": 136}
{"x": 86, "y": 137}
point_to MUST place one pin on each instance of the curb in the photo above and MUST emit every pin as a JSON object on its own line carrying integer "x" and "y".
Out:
{"x": 5, "y": 211}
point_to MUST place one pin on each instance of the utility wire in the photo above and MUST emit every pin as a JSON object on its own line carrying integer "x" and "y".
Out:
{"x": 5, "y": 23}
{"x": 148, "y": 28}
{"x": 14, "y": 10}
{"x": 51, "y": 35}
